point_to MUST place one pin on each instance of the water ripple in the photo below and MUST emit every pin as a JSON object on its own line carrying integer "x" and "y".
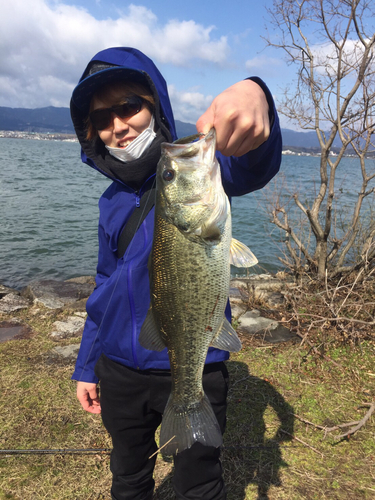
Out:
{"x": 49, "y": 211}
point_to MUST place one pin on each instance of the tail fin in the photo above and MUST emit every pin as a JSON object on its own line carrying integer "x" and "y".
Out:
{"x": 182, "y": 427}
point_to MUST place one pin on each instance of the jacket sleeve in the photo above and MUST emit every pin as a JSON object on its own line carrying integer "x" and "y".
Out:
{"x": 252, "y": 171}
{"x": 90, "y": 348}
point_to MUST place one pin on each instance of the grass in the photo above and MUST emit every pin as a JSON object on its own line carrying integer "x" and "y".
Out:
{"x": 269, "y": 385}
{"x": 281, "y": 384}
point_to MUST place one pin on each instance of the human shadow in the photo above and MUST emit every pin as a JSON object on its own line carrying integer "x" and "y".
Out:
{"x": 252, "y": 450}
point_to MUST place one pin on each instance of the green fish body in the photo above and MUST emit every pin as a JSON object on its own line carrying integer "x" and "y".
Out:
{"x": 189, "y": 283}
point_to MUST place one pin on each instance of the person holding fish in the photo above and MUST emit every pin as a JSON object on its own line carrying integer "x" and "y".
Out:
{"x": 158, "y": 329}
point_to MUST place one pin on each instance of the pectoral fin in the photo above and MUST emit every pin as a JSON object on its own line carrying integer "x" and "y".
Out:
{"x": 227, "y": 339}
{"x": 150, "y": 337}
{"x": 241, "y": 255}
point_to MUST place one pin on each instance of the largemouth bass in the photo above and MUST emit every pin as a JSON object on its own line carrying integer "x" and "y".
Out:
{"x": 189, "y": 282}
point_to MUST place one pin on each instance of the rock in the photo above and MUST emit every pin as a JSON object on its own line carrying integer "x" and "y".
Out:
{"x": 239, "y": 289}
{"x": 238, "y": 298}
{"x": 13, "y": 302}
{"x": 81, "y": 314}
{"x": 234, "y": 293}
{"x": 237, "y": 310}
{"x": 71, "y": 327}
{"x": 262, "y": 287}
{"x": 56, "y": 294}
{"x": 269, "y": 330}
{"x": 275, "y": 299}
{"x": 254, "y": 313}
{"x": 67, "y": 353}
{"x": 5, "y": 290}
{"x": 13, "y": 329}
{"x": 239, "y": 283}
{"x": 268, "y": 289}
{"x": 254, "y": 324}
{"x": 280, "y": 334}
{"x": 77, "y": 307}
{"x": 82, "y": 280}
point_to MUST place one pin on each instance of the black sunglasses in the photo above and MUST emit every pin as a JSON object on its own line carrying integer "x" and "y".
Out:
{"x": 102, "y": 118}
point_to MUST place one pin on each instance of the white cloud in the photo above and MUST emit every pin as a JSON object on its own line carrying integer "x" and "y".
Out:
{"x": 326, "y": 57}
{"x": 188, "y": 105}
{"x": 45, "y": 46}
{"x": 267, "y": 66}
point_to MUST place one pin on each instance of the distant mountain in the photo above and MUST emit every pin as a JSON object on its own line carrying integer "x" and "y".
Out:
{"x": 307, "y": 140}
{"x": 41, "y": 120}
{"x": 57, "y": 120}
{"x": 299, "y": 139}
{"x": 184, "y": 129}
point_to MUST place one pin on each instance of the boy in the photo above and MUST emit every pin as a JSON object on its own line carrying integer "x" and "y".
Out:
{"x": 122, "y": 113}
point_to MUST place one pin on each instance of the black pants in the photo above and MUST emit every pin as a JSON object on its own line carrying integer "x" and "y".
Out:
{"x": 132, "y": 405}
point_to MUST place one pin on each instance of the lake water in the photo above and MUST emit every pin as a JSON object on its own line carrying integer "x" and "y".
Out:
{"x": 49, "y": 210}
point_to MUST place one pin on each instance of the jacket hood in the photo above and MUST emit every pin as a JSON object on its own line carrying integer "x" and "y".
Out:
{"x": 120, "y": 63}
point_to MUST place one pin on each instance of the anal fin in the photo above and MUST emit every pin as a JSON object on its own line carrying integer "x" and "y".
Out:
{"x": 227, "y": 339}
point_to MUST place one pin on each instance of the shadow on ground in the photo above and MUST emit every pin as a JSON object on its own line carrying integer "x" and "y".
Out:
{"x": 252, "y": 451}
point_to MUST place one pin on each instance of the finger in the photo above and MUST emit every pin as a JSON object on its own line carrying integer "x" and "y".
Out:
{"x": 205, "y": 122}
{"x": 93, "y": 393}
{"x": 84, "y": 403}
{"x": 239, "y": 144}
{"x": 94, "y": 409}
{"x": 89, "y": 399}
{"x": 94, "y": 400}
{"x": 246, "y": 138}
{"x": 90, "y": 405}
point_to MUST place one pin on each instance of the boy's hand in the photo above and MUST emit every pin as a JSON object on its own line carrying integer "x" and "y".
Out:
{"x": 88, "y": 396}
{"x": 240, "y": 118}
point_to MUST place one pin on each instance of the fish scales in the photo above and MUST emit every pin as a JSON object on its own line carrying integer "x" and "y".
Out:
{"x": 189, "y": 284}
{"x": 190, "y": 294}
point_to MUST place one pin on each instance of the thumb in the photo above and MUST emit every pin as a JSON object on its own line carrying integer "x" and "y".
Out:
{"x": 205, "y": 122}
{"x": 94, "y": 394}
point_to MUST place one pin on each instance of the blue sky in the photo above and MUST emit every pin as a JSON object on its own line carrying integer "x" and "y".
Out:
{"x": 201, "y": 47}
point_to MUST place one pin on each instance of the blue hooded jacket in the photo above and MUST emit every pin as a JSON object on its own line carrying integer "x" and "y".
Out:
{"x": 119, "y": 304}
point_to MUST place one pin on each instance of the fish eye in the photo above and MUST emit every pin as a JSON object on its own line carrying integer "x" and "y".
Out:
{"x": 168, "y": 175}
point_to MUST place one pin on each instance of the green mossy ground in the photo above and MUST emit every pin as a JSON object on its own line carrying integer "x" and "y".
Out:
{"x": 268, "y": 452}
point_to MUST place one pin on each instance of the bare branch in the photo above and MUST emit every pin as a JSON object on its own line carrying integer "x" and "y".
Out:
{"x": 354, "y": 426}
{"x": 302, "y": 442}
{"x": 331, "y": 43}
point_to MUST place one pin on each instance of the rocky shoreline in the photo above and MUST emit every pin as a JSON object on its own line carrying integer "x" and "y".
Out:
{"x": 70, "y": 297}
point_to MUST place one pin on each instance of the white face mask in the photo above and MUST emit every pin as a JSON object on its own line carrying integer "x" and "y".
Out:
{"x": 136, "y": 147}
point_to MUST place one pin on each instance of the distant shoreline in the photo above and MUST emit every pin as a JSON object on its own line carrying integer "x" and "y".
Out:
{"x": 56, "y": 136}
{"x": 53, "y": 136}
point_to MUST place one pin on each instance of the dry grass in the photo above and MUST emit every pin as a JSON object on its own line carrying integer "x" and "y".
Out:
{"x": 269, "y": 385}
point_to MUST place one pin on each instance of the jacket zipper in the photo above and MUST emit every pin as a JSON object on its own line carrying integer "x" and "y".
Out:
{"x": 137, "y": 199}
